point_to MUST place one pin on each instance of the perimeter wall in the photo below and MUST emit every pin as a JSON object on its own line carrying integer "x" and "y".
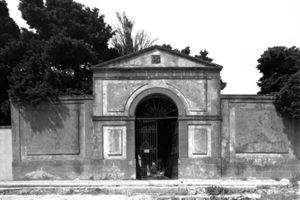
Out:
{"x": 59, "y": 140}
{"x": 5, "y": 153}
{"x": 257, "y": 141}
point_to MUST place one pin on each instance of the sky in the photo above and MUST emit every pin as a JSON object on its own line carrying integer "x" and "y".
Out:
{"x": 234, "y": 32}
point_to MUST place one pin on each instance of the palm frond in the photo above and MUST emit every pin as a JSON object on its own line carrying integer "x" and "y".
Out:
{"x": 123, "y": 40}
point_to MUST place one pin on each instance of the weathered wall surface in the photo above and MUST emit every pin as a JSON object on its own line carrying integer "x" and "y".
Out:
{"x": 166, "y": 60}
{"x": 198, "y": 102}
{"x": 200, "y": 108}
{"x": 193, "y": 87}
{"x": 195, "y": 161}
{"x": 55, "y": 141}
{"x": 198, "y": 96}
{"x": 62, "y": 140}
{"x": 58, "y": 140}
{"x": 94, "y": 137}
{"x": 5, "y": 153}
{"x": 52, "y": 129}
{"x": 256, "y": 140}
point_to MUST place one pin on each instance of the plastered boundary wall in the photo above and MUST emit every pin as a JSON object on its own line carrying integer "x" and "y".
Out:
{"x": 256, "y": 140}
{"x": 50, "y": 141}
{"x": 5, "y": 153}
{"x": 57, "y": 140}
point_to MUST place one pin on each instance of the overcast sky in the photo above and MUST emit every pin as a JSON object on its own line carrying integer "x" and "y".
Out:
{"x": 234, "y": 32}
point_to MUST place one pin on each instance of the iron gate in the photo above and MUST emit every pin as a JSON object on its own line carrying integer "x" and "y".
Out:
{"x": 146, "y": 145}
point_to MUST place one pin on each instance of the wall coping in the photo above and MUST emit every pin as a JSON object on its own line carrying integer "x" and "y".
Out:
{"x": 5, "y": 127}
{"x": 150, "y": 68}
{"x": 247, "y": 97}
{"x": 69, "y": 98}
{"x": 79, "y": 97}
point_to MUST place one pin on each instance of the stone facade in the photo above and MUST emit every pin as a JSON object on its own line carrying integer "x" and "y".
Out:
{"x": 96, "y": 137}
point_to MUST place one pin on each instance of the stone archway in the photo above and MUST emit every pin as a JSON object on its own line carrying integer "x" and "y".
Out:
{"x": 156, "y": 137}
{"x": 177, "y": 100}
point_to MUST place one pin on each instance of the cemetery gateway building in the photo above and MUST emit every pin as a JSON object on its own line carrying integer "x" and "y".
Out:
{"x": 154, "y": 114}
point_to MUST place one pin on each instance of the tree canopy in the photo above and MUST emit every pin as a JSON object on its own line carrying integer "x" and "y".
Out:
{"x": 203, "y": 55}
{"x": 280, "y": 68}
{"x": 8, "y": 28}
{"x": 55, "y": 58}
{"x": 9, "y": 31}
{"x": 52, "y": 58}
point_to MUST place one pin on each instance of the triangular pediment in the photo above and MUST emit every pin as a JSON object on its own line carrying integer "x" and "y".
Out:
{"x": 156, "y": 56}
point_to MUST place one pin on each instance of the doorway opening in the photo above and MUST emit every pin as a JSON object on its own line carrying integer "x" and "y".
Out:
{"x": 156, "y": 133}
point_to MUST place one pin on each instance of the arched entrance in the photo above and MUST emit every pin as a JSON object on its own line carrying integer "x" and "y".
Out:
{"x": 156, "y": 138}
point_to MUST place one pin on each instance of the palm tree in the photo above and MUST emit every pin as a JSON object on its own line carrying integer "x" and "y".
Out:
{"x": 124, "y": 41}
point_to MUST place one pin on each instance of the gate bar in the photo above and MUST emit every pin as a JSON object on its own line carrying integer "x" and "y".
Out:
{"x": 155, "y": 118}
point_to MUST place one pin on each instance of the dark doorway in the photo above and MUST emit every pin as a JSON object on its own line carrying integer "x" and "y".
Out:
{"x": 156, "y": 133}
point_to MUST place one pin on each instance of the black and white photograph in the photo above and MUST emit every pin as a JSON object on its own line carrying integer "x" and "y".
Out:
{"x": 150, "y": 100}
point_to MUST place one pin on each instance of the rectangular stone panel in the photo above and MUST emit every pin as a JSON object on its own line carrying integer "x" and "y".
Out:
{"x": 199, "y": 141}
{"x": 114, "y": 142}
{"x": 98, "y": 97}
{"x": 116, "y": 94}
{"x": 194, "y": 92}
{"x": 257, "y": 128}
{"x": 51, "y": 130}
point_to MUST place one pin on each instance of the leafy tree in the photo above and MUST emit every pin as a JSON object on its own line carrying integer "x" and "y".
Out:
{"x": 124, "y": 40}
{"x": 186, "y": 50}
{"x": 30, "y": 75}
{"x": 288, "y": 98}
{"x": 203, "y": 55}
{"x": 277, "y": 64}
{"x": 9, "y": 31}
{"x": 167, "y": 46}
{"x": 280, "y": 68}
{"x": 55, "y": 58}
{"x": 8, "y": 28}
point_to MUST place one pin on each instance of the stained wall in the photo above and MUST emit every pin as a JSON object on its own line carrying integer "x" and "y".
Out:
{"x": 193, "y": 87}
{"x": 64, "y": 140}
{"x": 257, "y": 141}
{"x": 94, "y": 137}
{"x": 5, "y": 153}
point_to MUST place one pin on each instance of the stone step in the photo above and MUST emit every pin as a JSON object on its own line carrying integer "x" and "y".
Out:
{"x": 157, "y": 190}
{"x": 132, "y": 197}
{"x": 146, "y": 183}
{"x": 175, "y": 190}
